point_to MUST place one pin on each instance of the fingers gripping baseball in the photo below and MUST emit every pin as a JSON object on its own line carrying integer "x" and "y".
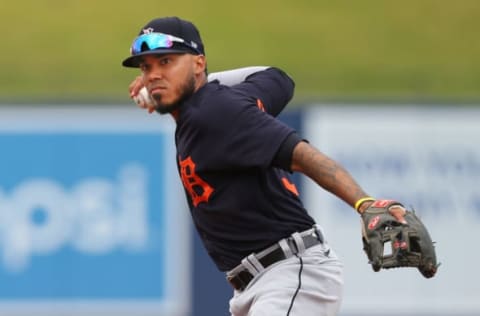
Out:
{"x": 144, "y": 101}
{"x": 140, "y": 95}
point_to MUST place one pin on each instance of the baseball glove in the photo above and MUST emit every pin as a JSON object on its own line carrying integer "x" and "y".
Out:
{"x": 410, "y": 243}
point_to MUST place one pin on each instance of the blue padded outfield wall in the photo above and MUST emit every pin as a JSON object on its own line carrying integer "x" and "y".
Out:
{"x": 93, "y": 220}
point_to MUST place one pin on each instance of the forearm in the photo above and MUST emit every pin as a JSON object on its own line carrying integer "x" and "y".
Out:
{"x": 326, "y": 172}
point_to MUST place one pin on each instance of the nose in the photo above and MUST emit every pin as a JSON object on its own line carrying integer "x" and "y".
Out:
{"x": 154, "y": 73}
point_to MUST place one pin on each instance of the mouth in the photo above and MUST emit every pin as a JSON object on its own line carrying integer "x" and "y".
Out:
{"x": 157, "y": 89}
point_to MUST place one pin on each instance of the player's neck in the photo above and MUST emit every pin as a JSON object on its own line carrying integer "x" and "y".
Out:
{"x": 201, "y": 81}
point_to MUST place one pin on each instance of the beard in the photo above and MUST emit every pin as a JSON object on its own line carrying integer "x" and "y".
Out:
{"x": 184, "y": 92}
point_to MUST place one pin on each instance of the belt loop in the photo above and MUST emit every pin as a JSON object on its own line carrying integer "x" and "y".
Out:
{"x": 321, "y": 238}
{"x": 252, "y": 264}
{"x": 285, "y": 248}
{"x": 298, "y": 242}
{"x": 319, "y": 231}
{"x": 256, "y": 264}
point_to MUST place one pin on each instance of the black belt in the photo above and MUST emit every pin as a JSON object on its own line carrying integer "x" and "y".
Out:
{"x": 240, "y": 280}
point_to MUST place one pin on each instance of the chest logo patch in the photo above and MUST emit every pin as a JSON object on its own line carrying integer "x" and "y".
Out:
{"x": 199, "y": 190}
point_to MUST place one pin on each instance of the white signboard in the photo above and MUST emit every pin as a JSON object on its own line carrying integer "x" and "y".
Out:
{"x": 427, "y": 158}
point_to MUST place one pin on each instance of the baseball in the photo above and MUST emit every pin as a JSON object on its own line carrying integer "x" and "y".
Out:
{"x": 143, "y": 99}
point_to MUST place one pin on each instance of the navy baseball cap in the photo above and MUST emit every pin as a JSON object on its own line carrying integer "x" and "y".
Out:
{"x": 163, "y": 36}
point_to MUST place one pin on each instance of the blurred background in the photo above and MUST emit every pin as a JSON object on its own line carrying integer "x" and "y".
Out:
{"x": 68, "y": 50}
{"x": 92, "y": 215}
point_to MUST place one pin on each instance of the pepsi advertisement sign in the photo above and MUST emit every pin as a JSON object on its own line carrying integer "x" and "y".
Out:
{"x": 91, "y": 213}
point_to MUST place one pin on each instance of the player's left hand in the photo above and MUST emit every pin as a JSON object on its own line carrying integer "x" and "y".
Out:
{"x": 398, "y": 212}
{"x": 386, "y": 223}
{"x": 395, "y": 209}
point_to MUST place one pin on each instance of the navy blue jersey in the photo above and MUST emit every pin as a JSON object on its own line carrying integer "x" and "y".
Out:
{"x": 226, "y": 143}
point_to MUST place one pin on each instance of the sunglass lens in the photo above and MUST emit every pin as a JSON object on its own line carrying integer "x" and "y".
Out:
{"x": 150, "y": 42}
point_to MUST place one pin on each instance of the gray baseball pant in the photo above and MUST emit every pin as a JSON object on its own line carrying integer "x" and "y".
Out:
{"x": 308, "y": 284}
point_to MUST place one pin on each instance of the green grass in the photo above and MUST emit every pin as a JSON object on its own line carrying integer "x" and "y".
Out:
{"x": 71, "y": 50}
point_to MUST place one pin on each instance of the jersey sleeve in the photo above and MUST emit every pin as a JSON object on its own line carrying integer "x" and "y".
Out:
{"x": 237, "y": 135}
{"x": 272, "y": 87}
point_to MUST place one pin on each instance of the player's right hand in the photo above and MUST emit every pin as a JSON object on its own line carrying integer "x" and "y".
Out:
{"x": 139, "y": 95}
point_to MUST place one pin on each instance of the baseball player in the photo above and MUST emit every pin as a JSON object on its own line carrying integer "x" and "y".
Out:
{"x": 234, "y": 159}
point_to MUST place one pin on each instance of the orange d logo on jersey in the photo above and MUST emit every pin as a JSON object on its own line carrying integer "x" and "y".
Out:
{"x": 197, "y": 188}
{"x": 260, "y": 105}
{"x": 290, "y": 186}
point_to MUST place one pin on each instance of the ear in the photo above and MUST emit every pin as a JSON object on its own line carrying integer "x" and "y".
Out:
{"x": 200, "y": 63}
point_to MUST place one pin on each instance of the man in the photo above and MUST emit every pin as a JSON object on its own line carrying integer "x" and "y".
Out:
{"x": 234, "y": 160}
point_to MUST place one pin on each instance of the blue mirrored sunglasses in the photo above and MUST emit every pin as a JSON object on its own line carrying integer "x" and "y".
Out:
{"x": 154, "y": 41}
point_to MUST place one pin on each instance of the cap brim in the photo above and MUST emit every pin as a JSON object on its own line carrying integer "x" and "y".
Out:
{"x": 134, "y": 61}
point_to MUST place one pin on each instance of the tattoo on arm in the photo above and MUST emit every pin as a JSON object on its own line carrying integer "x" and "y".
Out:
{"x": 326, "y": 172}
